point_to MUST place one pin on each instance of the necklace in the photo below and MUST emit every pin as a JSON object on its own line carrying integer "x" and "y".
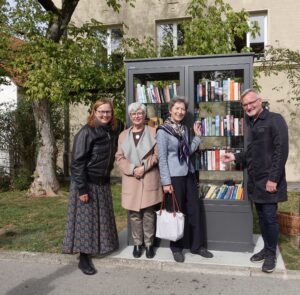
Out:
{"x": 137, "y": 136}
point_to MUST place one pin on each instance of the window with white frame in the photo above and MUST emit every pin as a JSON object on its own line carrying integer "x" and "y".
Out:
{"x": 113, "y": 39}
{"x": 169, "y": 34}
{"x": 259, "y": 42}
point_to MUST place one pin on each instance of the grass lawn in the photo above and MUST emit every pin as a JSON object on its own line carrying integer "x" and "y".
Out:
{"x": 37, "y": 224}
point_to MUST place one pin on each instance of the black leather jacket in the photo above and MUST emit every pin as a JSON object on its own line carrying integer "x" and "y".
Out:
{"x": 92, "y": 156}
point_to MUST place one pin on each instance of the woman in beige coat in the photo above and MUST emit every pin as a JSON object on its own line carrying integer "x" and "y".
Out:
{"x": 141, "y": 187}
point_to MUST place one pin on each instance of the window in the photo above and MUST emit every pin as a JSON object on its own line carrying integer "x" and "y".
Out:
{"x": 169, "y": 35}
{"x": 112, "y": 39}
{"x": 258, "y": 43}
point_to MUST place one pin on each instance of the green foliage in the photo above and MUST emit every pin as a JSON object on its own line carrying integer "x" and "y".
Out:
{"x": 115, "y": 4}
{"x": 5, "y": 180}
{"x": 18, "y": 133}
{"x": 76, "y": 69}
{"x": 22, "y": 179}
{"x": 135, "y": 48}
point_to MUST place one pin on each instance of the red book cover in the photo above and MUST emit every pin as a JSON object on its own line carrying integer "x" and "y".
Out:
{"x": 217, "y": 159}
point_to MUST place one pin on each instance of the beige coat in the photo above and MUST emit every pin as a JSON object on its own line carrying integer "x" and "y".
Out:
{"x": 147, "y": 191}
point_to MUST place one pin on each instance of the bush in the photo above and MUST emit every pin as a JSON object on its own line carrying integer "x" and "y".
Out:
{"x": 5, "y": 182}
{"x": 22, "y": 179}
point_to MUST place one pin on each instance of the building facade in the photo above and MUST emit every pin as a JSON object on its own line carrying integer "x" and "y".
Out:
{"x": 279, "y": 23}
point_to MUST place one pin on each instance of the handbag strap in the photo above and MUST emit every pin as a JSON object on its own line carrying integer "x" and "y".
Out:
{"x": 175, "y": 206}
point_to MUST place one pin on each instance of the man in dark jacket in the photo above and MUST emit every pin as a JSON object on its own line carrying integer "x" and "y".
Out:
{"x": 265, "y": 158}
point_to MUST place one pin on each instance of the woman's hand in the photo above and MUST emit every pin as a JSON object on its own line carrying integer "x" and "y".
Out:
{"x": 84, "y": 198}
{"x": 168, "y": 189}
{"x": 139, "y": 172}
{"x": 197, "y": 128}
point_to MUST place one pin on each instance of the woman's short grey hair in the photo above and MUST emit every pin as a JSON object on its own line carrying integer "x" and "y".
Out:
{"x": 133, "y": 107}
{"x": 180, "y": 99}
{"x": 249, "y": 90}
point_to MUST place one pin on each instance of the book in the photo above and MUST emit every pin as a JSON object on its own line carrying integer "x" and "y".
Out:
{"x": 222, "y": 191}
{"x": 217, "y": 125}
{"x": 239, "y": 193}
{"x": 211, "y": 190}
{"x": 222, "y": 165}
{"x": 217, "y": 159}
{"x": 236, "y": 126}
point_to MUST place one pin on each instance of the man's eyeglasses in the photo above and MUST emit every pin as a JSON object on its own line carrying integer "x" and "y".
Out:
{"x": 104, "y": 112}
{"x": 245, "y": 105}
{"x": 137, "y": 114}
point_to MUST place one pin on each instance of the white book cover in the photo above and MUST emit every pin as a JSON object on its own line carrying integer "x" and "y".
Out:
{"x": 236, "y": 126}
{"x": 222, "y": 165}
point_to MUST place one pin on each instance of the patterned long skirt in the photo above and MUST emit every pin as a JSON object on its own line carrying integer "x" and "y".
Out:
{"x": 91, "y": 227}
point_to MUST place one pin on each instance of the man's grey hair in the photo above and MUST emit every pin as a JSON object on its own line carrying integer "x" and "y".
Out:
{"x": 133, "y": 107}
{"x": 249, "y": 90}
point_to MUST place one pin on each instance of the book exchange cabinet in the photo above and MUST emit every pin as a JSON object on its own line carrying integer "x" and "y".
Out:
{"x": 213, "y": 85}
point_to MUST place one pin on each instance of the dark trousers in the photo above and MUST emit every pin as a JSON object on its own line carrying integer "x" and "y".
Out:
{"x": 186, "y": 193}
{"x": 268, "y": 225}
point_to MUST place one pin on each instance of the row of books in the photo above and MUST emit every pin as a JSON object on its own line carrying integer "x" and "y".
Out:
{"x": 222, "y": 90}
{"x": 151, "y": 93}
{"x": 211, "y": 160}
{"x": 222, "y": 192}
{"x": 222, "y": 126}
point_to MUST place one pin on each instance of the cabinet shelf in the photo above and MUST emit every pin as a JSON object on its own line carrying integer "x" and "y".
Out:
{"x": 213, "y": 85}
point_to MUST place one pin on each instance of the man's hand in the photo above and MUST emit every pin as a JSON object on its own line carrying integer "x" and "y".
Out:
{"x": 271, "y": 186}
{"x": 228, "y": 157}
{"x": 84, "y": 198}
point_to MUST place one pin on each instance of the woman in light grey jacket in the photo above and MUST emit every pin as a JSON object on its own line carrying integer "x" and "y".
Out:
{"x": 178, "y": 174}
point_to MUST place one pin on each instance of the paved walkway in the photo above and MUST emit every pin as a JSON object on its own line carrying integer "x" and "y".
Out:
{"x": 228, "y": 273}
{"x": 236, "y": 263}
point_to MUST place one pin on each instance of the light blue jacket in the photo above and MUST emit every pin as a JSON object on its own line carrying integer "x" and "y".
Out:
{"x": 169, "y": 165}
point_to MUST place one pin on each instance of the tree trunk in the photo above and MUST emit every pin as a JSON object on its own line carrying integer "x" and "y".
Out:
{"x": 45, "y": 182}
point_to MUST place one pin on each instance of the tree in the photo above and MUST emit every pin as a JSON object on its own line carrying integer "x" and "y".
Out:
{"x": 57, "y": 63}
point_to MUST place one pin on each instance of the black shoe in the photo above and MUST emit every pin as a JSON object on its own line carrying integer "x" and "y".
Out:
{"x": 178, "y": 256}
{"x": 85, "y": 266}
{"x": 150, "y": 251}
{"x": 203, "y": 252}
{"x": 137, "y": 251}
{"x": 258, "y": 257}
{"x": 269, "y": 263}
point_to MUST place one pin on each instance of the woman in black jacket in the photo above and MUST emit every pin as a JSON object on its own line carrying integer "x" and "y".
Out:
{"x": 91, "y": 227}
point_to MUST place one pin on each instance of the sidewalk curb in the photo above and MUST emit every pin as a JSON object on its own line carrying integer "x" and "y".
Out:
{"x": 146, "y": 264}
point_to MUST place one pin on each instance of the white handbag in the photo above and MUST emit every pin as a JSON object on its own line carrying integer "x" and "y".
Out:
{"x": 169, "y": 225}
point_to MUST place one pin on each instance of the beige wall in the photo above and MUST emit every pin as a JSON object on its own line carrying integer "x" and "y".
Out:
{"x": 283, "y": 23}
{"x": 275, "y": 98}
{"x": 140, "y": 19}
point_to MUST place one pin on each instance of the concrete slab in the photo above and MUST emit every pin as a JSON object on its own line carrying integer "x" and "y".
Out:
{"x": 223, "y": 263}
{"x": 220, "y": 259}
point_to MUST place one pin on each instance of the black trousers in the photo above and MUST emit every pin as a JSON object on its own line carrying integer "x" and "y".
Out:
{"x": 186, "y": 193}
{"x": 269, "y": 226}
